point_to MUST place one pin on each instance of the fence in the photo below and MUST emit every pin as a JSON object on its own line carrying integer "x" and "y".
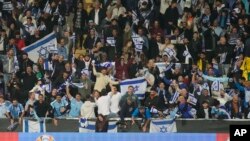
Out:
{"x": 183, "y": 125}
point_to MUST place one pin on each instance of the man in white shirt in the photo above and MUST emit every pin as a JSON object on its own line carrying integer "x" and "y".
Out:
{"x": 115, "y": 98}
{"x": 103, "y": 104}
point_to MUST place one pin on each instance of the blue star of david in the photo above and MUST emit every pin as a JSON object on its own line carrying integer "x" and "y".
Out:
{"x": 163, "y": 129}
{"x": 136, "y": 88}
{"x": 43, "y": 52}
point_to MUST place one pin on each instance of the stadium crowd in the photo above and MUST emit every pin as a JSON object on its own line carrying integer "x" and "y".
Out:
{"x": 204, "y": 44}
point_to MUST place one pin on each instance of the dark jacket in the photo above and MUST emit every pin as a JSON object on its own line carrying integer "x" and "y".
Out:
{"x": 101, "y": 15}
{"x": 152, "y": 102}
{"x": 201, "y": 113}
{"x": 84, "y": 17}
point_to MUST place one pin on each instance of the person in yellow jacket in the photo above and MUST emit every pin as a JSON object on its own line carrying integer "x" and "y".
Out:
{"x": 102, "y": 79}
{"x": 245, "y": 67}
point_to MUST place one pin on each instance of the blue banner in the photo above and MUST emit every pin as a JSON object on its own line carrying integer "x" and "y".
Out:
{"x": 115, "y": 137}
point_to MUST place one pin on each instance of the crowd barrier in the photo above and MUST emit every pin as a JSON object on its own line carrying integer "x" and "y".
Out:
{"x": 112, "y": 137}
{"x": 183, "y": 125}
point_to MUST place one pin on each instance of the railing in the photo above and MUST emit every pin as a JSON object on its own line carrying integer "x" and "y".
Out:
{"x": 183, "y": 125}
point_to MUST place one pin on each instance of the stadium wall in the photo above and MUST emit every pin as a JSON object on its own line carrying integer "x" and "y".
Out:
{"x": 183, "y": 126}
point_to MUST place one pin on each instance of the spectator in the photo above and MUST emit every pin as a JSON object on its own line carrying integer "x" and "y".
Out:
{"x": 97, "y": 14}
{"x": 87, "y": 84}
{"x": 128, "y": 103}
{"x": 218, "y": 112}
{"x": 29, "y": 105}
{"x": 205, "y": 97}
{"x": 153, "y": 100}
{"x": 103, "y": 104}
{"x": 3, "y": 107}
{"x": 118, "y": 9}
{"x": 8, "y": 67}
{"x": 184, "y": 108}
{"x": 234, "y": 107}
{"x": 62, "y": 49}
{"x": 14, "y": 87}
{"x": 15, "y": 112}
{"x": 28, "y": 82}
{"x": 75, "y": 103}
{"x": 91, "y": 40}
{"x": 102, "y": 79}
{"x": 24, "y": 63}
{"x": 59, "y": 106}
{"x": 204, "y": 111}
{"x": 122, "y": 68}
{"x": 88, "y": 107}
{"x": 223, "y": 98}
{"x": 115, "y": 97}
{"x": 41, "y": 108}
{"x": 143, "y": 113}
{"x": 37, "y": 89}
{"x": 164, "y": 97}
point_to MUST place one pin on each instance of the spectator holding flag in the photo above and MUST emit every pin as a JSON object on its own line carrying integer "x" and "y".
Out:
{"x": 102, "y": 79}
{"x": 86, "y": 81}
{"x": 184, "y": 109}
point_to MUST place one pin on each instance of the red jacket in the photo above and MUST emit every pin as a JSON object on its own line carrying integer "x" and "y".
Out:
{"x": 120, "y": 69}
{"x": 20, "y": 43}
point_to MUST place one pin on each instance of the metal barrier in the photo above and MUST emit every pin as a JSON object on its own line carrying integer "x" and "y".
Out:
{"x": 183, "y": 125}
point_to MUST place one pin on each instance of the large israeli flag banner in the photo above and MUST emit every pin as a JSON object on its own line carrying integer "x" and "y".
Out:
{"x": 163, "y": 126}
{"x": 139, "y": 84}
{"x": 30, "y": 126}
{"x": 42, "y": 47}
{"x": 89, "y": 126}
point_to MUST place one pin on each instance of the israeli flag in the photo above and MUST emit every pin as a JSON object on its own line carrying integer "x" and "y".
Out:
{"x": 89, "y": 126}
{"x": 107, "y": 64}
{"x": 139, "y": 84}
{"x": 47, "y": 8}
{"x": 42, "y": 47}
{"x": 7, "y": 6}
{"x": 78, "y": 85}
{"x": 111, "y": 41}
{"x": 162, "y": 68}
{"x": 47, "y": 65}
{"x": 30, "y": 126}
{"x": 163, "y": 126}
{"x": 174, "y": 98}
{"x": 138, "y": 41}
{"x": 169, "y": 52}
{"x": 191, "y": 99}
{"x": 216, "y": 86}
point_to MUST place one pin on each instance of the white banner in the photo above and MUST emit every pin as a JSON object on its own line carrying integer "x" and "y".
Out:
{"x": 30, "y": 126}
